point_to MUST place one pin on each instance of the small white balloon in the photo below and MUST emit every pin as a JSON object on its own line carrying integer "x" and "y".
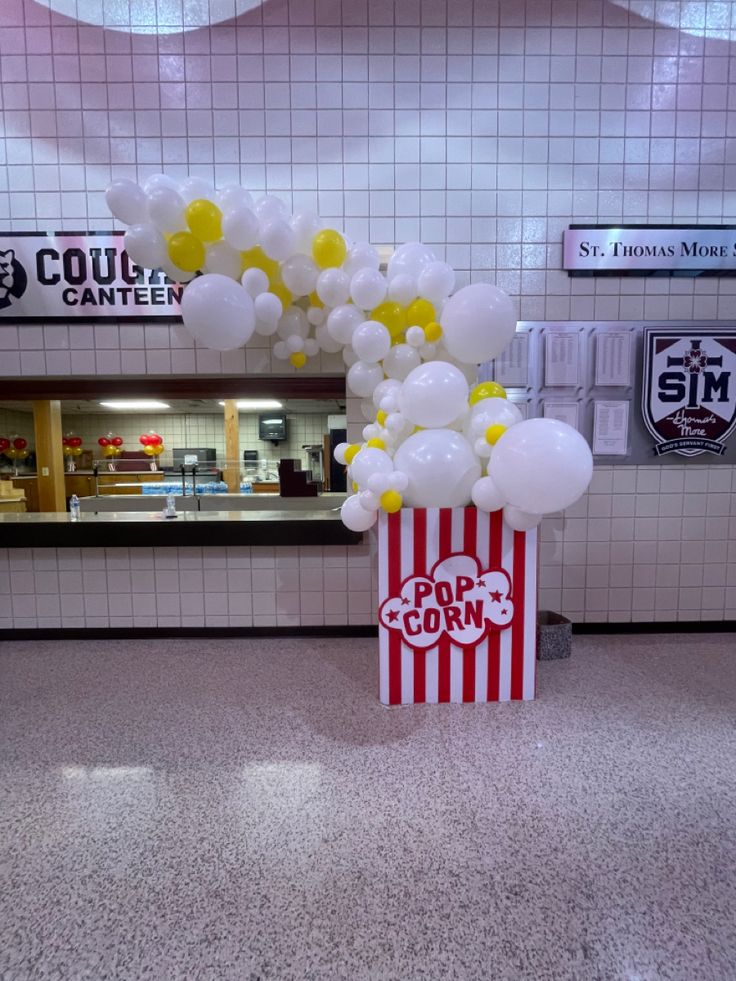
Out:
{"x": 277, "y": 239}
{"x": 428, "y": 352}
{"x": 398, "y": 481}
{"x": 388, "y": 403}
{"x": 240, "y": 227}
{"x": 316, "y": 316}
{"x": 280, "y": 350}
{"x": 483, "y": 447}
{"x": 265, "y": 328}
{"x": 127, "y": 201}
{"x": 371, "y": 341}
{"x": 333, "y": 287}
{"x": 402, "y": 289}
{"x": 400, "y": 361}
{"x": 389, "y": 386}
{"x": 415, "y": 338}
{"x": 339, "y": 453}
{"x": 520, "y": 520}
{"x": 269, "y": 308}
{"x": 368, "y": 288}
{"x": 254, "y": 281}
{"x": 486, "y": 496}
{"x": 363, "y": 378}
{"x": 369, "y": 500}
{"x": 327, "y": 344}
{"x": 311, "y": 347}
{"x": 223, "y": 259}
{"x": 379, "y": 483}
{"x": 371, "y": 430}
{"x": 146, "y": 246}
{"x": 294, "y": 343}
{"x": 299, "y": 274}
{"x": 436, "y": 281}
{"x": 355, "y": 517}
{"x": 395, "y": 422}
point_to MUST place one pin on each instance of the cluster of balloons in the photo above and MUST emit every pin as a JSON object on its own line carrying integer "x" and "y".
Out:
{"x": 153, "y": 445}
{"x": 411, "y": 345}
{"x": 112, "y": 446}
{"x": 71, "y": 446}
{"x": 15, "y": 448}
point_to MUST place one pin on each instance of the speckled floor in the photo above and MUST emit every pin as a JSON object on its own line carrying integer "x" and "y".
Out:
{"x": 244, "y": 810}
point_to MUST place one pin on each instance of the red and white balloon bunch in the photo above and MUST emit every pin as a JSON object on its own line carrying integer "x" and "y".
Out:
{"x": 411, "y": 346}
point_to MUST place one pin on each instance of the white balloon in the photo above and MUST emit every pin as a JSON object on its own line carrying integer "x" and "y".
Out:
{"x": 333, "y": 287}
{"x": 294, "y": 343}
{"x": 402, "y": 289}
{"x": 156, "y": 181}
{"x": 195, "y": 189}
{"x": 389, "y": 386}
{"x": 166, "y": 209}
{"x": 311, "y": 347}
{"x": 339, "y": 453}
{"x": 316, "y": 316}
{"x": 541, "y": 465}
{"x": 222, "y": 258}
{"x": 436, "y": 281}
{"x": 433, "y": 394}
{"x": 369, "y": 500}
{"x": 218, "y": 312}
{"x": 477, "y": 323}
{"x": 398, "y": 481}
{"x": 520, "y": 520}
{"x": 350, "y": 358}
{"x": 368, "y": 288}
{"x": 401, "y": 360}
{"x": 486, "y": 496}
{"x": 305, "y": 225}
{"x": 428, "y": 352}
{"x": 265, "y": 328}
{"x": 232, "y": 197}
{"x": 277, "y": 239}
{"x": 268, "y": 307}
{"x": 482, "y": 447}
{"x": 280, "y": 350}
{"x": 293, "y": 321}
{"x": 240, "y": 227}
{"x": 415, "y": 338}
{"x": 379, "y": 483}
{"x": 299, "y": 274}
{"x": 440, "y": 466}
{"x": 363, "y": 378}
{"x": 146, "y": 246}
{"x": 175, "y": 274}
{"x": 410, "y": 259}
{"x": 254, "y": 281}
{"x": 388, "y": 403}
{"x": 269, "y": 207}
{"x": 343, "y": 321}
{"x": 328, "y": 344}
{"x": 368, "y": 461}
{"x": 491, "y": 412}
{"x": 361, "y": 255}
{"x": 127, "y": 201}
{"x": 366, "y": 410}
{"x": 371, "y": 341}
{"x": 354, "y": 515}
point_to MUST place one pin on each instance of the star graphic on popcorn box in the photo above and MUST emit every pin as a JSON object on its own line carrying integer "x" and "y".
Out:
{"x": 496, "y": 597}
{"x": 481, "y": 583}
{"x": 393, "y": 615}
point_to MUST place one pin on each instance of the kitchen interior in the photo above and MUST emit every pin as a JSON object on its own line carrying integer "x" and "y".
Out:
{"x": 208, "y": 453}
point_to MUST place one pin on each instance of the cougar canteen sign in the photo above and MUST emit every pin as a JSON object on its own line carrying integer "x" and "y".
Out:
{"x": 642, "y": 250}
{"x": 689, "y": 389}
{"x": 81, "y": 275}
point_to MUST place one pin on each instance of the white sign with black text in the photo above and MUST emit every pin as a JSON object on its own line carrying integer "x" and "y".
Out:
{"x": 644, "y": 249}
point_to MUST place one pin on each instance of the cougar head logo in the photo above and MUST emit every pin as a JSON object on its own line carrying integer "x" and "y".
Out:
{"x": 13, "y": 278}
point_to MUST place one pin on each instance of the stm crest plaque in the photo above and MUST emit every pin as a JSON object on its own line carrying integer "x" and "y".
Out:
{"x": 689, "y": 389}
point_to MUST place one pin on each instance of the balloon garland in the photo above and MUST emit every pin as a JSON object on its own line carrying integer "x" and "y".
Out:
{"x": 71, "y": 445}
{"x": 434, "y": 438}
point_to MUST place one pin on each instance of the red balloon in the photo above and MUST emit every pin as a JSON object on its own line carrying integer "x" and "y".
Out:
{"x": 103, "y": 441}
{"x": 75, "y": 441}
{"x": 117, "y": 441}
{"x": 65, "y": 441}
{"x": 4, "y": 444}
{"x": 143, "y": 440}
{"x": 19, "y": 443}
{"x": 154, "y": 439}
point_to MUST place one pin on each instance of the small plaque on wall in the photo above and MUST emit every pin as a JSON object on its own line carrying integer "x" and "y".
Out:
{"x": 611, "y": 429}
{"x": 561, "y": 358}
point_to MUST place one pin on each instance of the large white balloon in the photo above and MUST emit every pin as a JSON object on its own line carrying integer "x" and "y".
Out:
{"x": 363, "y": 378}
{"x": 146, "y": 246}
{"x": 400, "y": 360}
{"x": 195, "y": 189}
{"x": 218, "y": 312}
{"x": 541, "y": 465}
{"x": 433, "y": 394}
{"x": 441, "y": 468}
{"x": 486, "y": 495}
{"x": 355, "y": 516}
{"x": 240, "y": 227}
{"x": 477, "y": 323}
{"x": 371, "y": 341}
{"x": 166, "y": 209}
{"x": 127, "y": 201}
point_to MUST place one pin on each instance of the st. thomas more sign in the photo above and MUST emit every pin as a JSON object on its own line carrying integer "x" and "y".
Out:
{"x": 649, "y": 250}
{"x": 80, "y": 276}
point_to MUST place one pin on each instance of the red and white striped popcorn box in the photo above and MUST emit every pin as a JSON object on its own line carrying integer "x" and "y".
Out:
{"x": 457, "y": 591}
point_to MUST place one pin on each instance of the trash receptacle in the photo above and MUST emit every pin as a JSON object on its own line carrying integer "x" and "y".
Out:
{"x": 554, "y": 636}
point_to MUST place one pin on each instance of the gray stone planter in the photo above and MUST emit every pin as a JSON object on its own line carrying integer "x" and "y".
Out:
{"x": 554, "y": 636}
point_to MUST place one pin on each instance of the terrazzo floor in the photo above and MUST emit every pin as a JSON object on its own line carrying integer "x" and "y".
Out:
{"x": 233, "y": 810}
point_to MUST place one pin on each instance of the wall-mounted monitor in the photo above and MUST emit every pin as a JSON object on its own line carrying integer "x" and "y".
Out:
{"x": 272, "y": 426}
{"x": 188, "y": 456}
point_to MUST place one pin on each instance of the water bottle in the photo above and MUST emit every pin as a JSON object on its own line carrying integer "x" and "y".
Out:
{"x": 170, "y": 511}
{"x": 74, "y": 509}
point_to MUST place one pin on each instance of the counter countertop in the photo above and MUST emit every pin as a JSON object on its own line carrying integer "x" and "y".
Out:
{"x": 147, "y": 528}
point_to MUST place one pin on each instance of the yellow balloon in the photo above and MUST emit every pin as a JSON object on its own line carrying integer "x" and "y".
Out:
{"x": 392, "y": 316}
{"x": 186, "y": 251}
{"x": 391, "y": 501}
{"x": 432, "y": 332}
{"x": 494, "y": 433}
{"x": 314, "y": 300}
{"x": 328, "y": 248}
{"x": 278, "y": 289}
{"x": 204, "y": 219}
{"x": 381, "y": 417}
{"x": 148, "y": 450}
{"x": 376, "y": 443}
{"x": 257, "y": 258}
{"x": 486, "y": 390}
{"x": 298, "y": 359}
{"x": 351, "y": 452}
{"x": 420, "y": 313}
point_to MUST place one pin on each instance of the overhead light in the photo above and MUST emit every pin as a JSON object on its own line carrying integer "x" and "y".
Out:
{"x": 246, "y": 404}
{"x": 136, "y": 404}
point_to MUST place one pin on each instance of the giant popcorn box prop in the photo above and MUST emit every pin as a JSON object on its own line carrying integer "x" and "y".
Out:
{"x": 457, "y": 607}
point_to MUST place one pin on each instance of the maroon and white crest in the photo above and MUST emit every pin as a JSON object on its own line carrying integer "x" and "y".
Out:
{"x": 689, "y": 389}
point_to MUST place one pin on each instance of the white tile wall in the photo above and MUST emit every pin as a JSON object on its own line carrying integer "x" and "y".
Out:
{"x": 483, "y": 128}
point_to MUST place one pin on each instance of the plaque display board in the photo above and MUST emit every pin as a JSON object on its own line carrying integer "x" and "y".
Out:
{"x": 592, "y": 376}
